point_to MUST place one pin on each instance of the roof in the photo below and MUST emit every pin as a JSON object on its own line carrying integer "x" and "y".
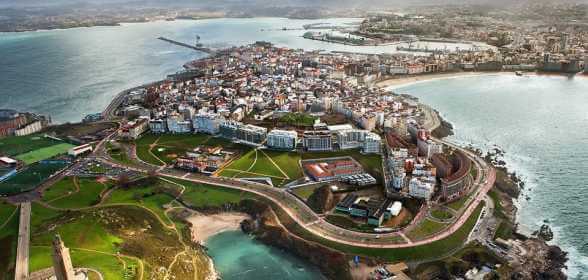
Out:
{"x": 347, "y": 201}
{"x": 7, "y": 160}
{"x": 339, "y": 127}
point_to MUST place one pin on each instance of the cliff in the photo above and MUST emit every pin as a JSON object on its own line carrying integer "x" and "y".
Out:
{"x": 267, "y": 228}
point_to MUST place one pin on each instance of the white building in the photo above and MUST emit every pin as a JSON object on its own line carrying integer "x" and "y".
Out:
{"x": 177, "y": 124}
{"x": 315, "y": 141}
{"x": 134, "y": 129}
{"x": 207, "y": 123}
{"x": 158, "y": 126}
{"x": 282, "y": 139}
{"x": 372, "y": 144}
{"x": 420, "y": 188}
{"x": 429, "y": 147}
{"x": 29, "y": 129}
{"x": 76, "y": 151}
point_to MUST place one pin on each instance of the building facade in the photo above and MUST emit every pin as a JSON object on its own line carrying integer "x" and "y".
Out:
{"x": 316, "y": 141}
{"x": 206, "y": 123}
{"x": 282, "y": 139}
{"x": 62, "y": 265}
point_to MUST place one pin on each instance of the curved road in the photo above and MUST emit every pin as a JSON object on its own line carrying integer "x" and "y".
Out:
{"x": 308, "y": 219}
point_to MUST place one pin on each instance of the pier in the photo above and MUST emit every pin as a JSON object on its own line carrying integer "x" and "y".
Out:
{"x": 194, "y": 47}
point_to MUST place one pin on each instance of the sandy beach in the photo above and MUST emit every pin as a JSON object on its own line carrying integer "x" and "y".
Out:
{"x": 398, "y": 82}
{"x": 205, "y": 226}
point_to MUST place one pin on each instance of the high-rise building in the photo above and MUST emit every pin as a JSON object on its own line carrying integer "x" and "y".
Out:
{"x": 315, "y": 141}
{"x": 207, "y": 123}
{"x": 62, "y": 265}
{"x": 372, "y": 144}
{"x": 282, "y": 139}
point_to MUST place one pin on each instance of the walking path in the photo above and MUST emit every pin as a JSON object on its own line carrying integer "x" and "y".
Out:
{"x": 21, "y": 271}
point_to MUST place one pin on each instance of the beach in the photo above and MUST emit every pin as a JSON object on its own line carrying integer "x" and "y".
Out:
{"x": 205, "y": 226}
{"x": 392, "y": 83}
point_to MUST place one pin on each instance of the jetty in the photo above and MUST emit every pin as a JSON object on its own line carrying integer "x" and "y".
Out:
{"x": 194, "y": 47}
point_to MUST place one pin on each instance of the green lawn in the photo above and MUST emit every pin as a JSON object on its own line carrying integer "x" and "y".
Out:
{"x": 426, "y": 228}
{"x": 88, "y": 195}
{"x": 110, "y": 266}
{"x": 305, "y": 191}
{"x": 59, "y": 189}
{"x": 441, "y": 214}
{"x": 8, "y": 240}
{"x": 6, "y": 211}
{"x": 167, "y": 145}
{"x": 200, "y": 195}
{"x": 29, "y": 178}
{"x": 258, "y": 163}
{"x": 16, "y": 145}
{"x": 44, "y": 153}
{"x": 423, "y": 252}
{"x": 145, "y": 196}
{"x": 458, "y": 204}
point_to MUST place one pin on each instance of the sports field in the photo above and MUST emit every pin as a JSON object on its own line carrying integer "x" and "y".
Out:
{"x": 29, "y": 178}
{"x": 16, "y": 145}
{"x": 44, "y": 153}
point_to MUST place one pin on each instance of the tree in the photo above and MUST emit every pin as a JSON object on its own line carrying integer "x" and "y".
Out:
{"x": 123, "y": 180}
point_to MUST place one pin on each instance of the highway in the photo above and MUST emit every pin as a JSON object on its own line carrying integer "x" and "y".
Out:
{"x": 21, "y": 271}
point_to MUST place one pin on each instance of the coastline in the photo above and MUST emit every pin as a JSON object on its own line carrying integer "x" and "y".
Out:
{"x": 204, "y": 226}
{"x": 391, "y": 83}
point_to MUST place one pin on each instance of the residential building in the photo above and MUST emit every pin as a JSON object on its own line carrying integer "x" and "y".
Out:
{"x": 132, "y": 130}
{"x": 317, "y": 141}
{"x": 372, "y": 144}
{"x": 282, "y": 139}
{"x": 158, "y": 126}
{"x": 207, "y": 123}
{"x": 177, "y": 124}
{"x": 246, "y": 133}
{"x": 420, "y": 188}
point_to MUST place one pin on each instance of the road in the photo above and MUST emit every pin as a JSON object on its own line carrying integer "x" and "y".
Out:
{"x": 22, "y": 253}
{"x": 306, "y": 217}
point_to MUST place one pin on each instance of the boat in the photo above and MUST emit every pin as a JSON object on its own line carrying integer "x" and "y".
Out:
{"x": 519, "y": 73}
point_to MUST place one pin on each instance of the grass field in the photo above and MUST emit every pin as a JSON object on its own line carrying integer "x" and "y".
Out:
{"x": 305, "y": 191}
{"x": 199, "y": 195}
{"x": 16, "y": 145}
{"x": 29, "y": 178}
{"x": 441, "y": 214}
{"x": 88, "y": 195}
{"x": 145, "y": 196}
{"x": 426, "y": 228}
{"x": 44, "y": 153}
{"x": 96, "y": 237}
{"x": 423, "y": 252}
{"x": 8, "y": 237}
{"x": 62, "y": 188}
{"x": 281, "y": 167}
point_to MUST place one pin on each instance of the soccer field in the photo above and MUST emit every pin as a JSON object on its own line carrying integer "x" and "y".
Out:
{"x": 44, "y": 153}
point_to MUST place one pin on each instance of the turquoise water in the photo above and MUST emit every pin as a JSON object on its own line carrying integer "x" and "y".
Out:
{"x": 70, "y": 73}
{"x": 542, "y": 125}
{"x": 239, "y": 256}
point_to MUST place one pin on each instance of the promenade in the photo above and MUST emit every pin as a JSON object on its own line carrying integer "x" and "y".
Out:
{"x": 22, "y": 254}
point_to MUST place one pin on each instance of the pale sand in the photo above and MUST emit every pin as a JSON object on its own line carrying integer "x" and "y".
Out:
{"x": 205, "y": 226}
{"x": 404, "y": 81}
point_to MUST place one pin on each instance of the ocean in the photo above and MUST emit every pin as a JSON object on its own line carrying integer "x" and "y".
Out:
{"x": 70, "y": 73}
{"x": 541, "y": 123}
{"x": 238, "y": 256}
